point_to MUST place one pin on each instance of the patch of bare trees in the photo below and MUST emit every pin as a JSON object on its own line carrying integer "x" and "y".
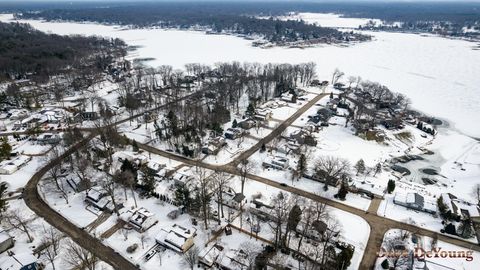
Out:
{"x": 330, "y": 169}
{"x": 77, "y": 257}
{"x": 20, "y": 221}
{"x": 190, "y": 257}
{"x": 51, "y": 243}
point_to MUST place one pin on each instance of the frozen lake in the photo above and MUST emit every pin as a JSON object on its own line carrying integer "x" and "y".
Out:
{"x": 441, "y": 76}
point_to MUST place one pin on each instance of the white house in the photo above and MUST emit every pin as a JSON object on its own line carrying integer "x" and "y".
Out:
{"x": 177, "y": 238}
{"x": 11, "y": 166}
{"x": 140, "y": 219}
{"x": 209, "y": 255}
{"x": 277, "y": 162}
{"x": 415, "y": 201}
{"x": 460, "y": 207}
{"x": 6, "y": 241}
{"x": 8, "y": 169}
{"x": 99, "y": 199}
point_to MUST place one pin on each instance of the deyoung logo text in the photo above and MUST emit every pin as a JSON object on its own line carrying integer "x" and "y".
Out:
{"x": 420, "y": 253}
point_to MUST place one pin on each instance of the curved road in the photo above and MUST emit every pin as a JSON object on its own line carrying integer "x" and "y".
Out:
{"x": 378, "y": 225}
{"x": 35, "y": 202}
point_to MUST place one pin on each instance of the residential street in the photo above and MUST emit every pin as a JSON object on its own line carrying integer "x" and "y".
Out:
{"x": 35, "y": 202}
{"x": 378, "y": 225}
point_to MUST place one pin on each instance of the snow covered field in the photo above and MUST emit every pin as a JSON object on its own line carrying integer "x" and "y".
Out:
{"x": 330, "y": 20}
{"x": 439, "y": 75}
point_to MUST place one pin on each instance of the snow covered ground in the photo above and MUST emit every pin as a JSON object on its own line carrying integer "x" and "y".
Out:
{"x": 330, "y": 20}
{"x": 438, "y": 74}
{"x": 356, "y": 235}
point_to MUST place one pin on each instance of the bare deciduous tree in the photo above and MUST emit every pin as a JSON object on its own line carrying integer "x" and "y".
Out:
{"x": 110, "y": 187}
{"x": 330, "y": 167}
{"x": 190, "y": 257}
{"x": 79, "y": 258}
{"x": 476, "y": 193}
{"x": 250, "y": 251}
{"x": 51, "y": 243}
{"x": 220, "y": 183}
{"x": 17, "y": 220}
{"x": 332, "y": 231}
{"x": 281, "y": 207}
{"x": 337, "y": 74}
{"x": 396, "y": 245}
{"x": 245, "y": 168}
{"x": 204, "y": 186}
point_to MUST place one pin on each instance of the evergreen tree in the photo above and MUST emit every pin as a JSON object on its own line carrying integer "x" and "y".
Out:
{"x": 385, "y": 264}
{"x": 390, "y": 186}
{"x": 301, "y": 165}
{"x": 182, "y": 197}
{"x": 342, "y": 192}
{"x": 450, "y": 229}
{"x": 344, "y": 258}
{"x": 263, "y": 148}
{"x": 5, "y": 148}
{"x": 148, "y": 180}
{"x": 294, "y": 98}
{"x": 173, "y": 124}
{"x": 135, "y": 146}
{"x": 294, "y": 218}
{"x": 250, "y": 110}
{"x": 234, "y": 123}
{"x": 378, "y": 169}
{"x": 3, "y": 202}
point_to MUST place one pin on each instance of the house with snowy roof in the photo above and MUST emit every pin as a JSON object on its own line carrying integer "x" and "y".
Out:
{"x": 209, "y": 255}
{"x": 98, "y": 199}
{"x": 459, "y": 207}
{"x": 177, "y": 238}
{"x": 6, "y": 241}
{"x": 140, "y": 219}
{"x": 415, "y": 201}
